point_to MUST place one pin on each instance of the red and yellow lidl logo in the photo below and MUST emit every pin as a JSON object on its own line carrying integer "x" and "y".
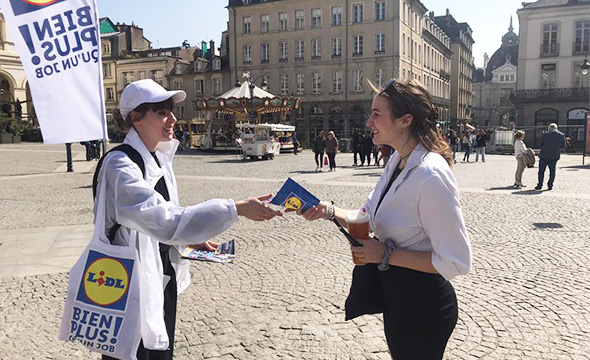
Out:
{"x": 25, "y": 6}
{"x": 294, "y": 202}
{"x": 105, "y": 282}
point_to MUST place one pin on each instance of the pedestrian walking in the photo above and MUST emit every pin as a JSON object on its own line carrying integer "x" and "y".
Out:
{"x": 481, "y": 142}
{"x": 150, "y": 219}
{"x": 520, "y": 150}
{"x": 357, "y": 141}
{"x": 366, "y": 149}
{"x": 454, "y": 142}
{"x": 386, "y": 152}
{"x": 467, "y": 145}
{"x": 332, "y": 150}
{"x": 295, "y": 144}
{"x": 376, "y": 153}
{"x": 551, "y": 144}
{"x": 416, "y": 216}
{"x": 319, "y": 146}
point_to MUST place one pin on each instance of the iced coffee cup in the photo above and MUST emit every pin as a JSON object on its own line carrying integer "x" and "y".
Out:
{"x": 358, "y": 226}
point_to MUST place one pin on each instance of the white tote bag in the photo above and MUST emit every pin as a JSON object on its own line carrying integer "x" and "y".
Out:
{"x": 102, "y": 306}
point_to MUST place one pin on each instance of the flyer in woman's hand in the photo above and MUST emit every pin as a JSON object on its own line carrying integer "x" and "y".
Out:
{"x": 294, "y": 196}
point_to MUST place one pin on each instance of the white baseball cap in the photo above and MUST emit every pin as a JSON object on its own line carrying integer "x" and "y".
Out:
{"x": 146, "y": 91}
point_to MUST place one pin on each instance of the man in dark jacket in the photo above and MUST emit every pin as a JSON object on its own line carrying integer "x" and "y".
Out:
{"x": 551, "y": 144}
{"x": 357, "y": 140}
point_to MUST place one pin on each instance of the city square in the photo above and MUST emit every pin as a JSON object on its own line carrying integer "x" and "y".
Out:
{"x": 526, "y": 296}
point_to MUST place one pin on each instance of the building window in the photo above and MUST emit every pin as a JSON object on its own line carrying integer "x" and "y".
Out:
{"x": 128, "y": 78}
{"x": 264, "y": 23}
{"x": 283, "y": 21}
{"x": 380, "y": 77}
{"x": 299, "y": 19}
{"x": 300, "y": 84}
{"x": 180, "y": 111}
{"x": 548, "y": 76}
{"x": 550, "y": 46}
{"x": 336, "y": 82}
{"x": 284, "y": 84}
{"x": 106, "y": 48}
{"x": 141, "y": 75}
{"x": 379, "y": 10}
{"x": 200, "y": 86}
{"x": 216, "y": 64}
{"x": 336, "y": 15}
{"x": 178, "y": 85}
{"x": 217, "y": 86}
{"x": 264, "y": 53}
{"x": 110, "y": 95}
{"x": 379, "y": 43}
{"x": 357, "y": 45}
{"x": 316, "y": 79}
{"x": 299, "y": 50}
{"x": 247, "y": 54}
{"x": 357, "y": 13}
{"x": 106, "y": 70}
{"x": 336, "y": 47}
{"x": 316, "y": 49}
{"x": 316, "y": 18}
{"x": 267, "y": 80}
{"x": 283, "y": 51}
{"x": 582, "y": 44}
{"x": 357, "y": 80}
{"x": 246, "y": 25}
{"x": 404, "y": 44}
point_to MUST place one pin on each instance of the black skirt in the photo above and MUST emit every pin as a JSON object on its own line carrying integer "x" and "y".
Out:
{"x": 419, "y": 309}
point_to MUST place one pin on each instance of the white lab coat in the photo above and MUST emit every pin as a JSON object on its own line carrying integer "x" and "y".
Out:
{"x": 421, "y": 211}
{"x": 147, "y": 219}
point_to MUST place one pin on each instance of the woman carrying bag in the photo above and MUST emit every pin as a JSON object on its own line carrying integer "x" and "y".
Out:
{"x": 416, "y": 216}
{"x": 146, "y": 214}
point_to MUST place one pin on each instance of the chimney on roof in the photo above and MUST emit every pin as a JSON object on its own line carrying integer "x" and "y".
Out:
{"x": 448, "y": 12}
{"x": 211, "y": 49}
{"x": 431, "y": 15}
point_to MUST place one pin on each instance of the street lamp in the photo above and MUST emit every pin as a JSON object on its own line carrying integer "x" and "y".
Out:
{"x": 251, "y": 86}
{"x": 585, "y": 66}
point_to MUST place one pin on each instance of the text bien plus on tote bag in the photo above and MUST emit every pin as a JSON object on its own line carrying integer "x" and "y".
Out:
{"x": 102, "y": 306}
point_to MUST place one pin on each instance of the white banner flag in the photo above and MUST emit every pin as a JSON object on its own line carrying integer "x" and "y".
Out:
{"x": 58, "y": 42}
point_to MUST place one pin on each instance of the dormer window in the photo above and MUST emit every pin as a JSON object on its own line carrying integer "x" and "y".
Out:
{"x": 198, "y": 66}
{"x": 246, "y": 2}
{"x": 178, "y": 69}
{"x": 216, "y": 64}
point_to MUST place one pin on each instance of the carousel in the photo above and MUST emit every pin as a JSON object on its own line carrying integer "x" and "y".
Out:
{"x": 226, "y": 116}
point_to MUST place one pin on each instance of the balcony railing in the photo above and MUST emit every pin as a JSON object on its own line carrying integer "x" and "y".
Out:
{"x": 548, "y": 50}
{"x": 562, "y": 94}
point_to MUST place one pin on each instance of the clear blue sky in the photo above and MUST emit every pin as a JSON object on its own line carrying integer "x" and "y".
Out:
{"x": 197, "y": 20}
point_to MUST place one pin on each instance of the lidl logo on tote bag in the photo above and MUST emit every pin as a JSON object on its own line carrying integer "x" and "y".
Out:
{"x": 106, "y": 281}
{"x": 26, "y": 6}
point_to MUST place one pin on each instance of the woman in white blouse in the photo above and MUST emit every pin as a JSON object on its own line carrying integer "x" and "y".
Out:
{"x": 416, "y": 216}
{"x": 519, "y": 152}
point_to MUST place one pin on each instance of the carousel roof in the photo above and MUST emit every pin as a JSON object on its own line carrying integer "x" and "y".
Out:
{"x": 239, "y": 101}
{"x": 243, "y": 92}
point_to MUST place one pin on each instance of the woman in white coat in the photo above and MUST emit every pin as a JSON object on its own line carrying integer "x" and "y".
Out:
{"x": 148, "y": 212}
{"x": 416, "y": 216}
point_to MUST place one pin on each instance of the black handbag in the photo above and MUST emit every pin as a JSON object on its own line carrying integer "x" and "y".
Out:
{"x": 366, "y": 293}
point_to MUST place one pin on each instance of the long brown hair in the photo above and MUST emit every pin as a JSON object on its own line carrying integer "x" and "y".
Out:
{"x": 410, "y": 97}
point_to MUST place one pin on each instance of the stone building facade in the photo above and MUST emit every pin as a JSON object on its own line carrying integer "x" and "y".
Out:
{"x": 554, "y": 41}
{"x": 323, "y": 52}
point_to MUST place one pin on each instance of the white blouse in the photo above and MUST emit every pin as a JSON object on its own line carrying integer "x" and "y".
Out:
{"x": 422, "y": 212}
{"x": 519, "y": 148}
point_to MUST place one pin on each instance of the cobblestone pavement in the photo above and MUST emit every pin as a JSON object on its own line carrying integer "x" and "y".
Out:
{"x": 525, "y": 298}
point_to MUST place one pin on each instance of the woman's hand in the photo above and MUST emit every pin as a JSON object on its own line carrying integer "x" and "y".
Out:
{"x": 372, "y": 251}
{"x": 320, "y": 211}
{"x": 207, "y": 245}
{"x": 256, "y": 209}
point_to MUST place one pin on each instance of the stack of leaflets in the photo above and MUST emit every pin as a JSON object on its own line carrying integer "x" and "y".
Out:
{"x": 225, "y": 253}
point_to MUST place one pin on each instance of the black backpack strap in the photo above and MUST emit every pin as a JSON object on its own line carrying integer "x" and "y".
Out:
{"x": 135, "y": 156}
